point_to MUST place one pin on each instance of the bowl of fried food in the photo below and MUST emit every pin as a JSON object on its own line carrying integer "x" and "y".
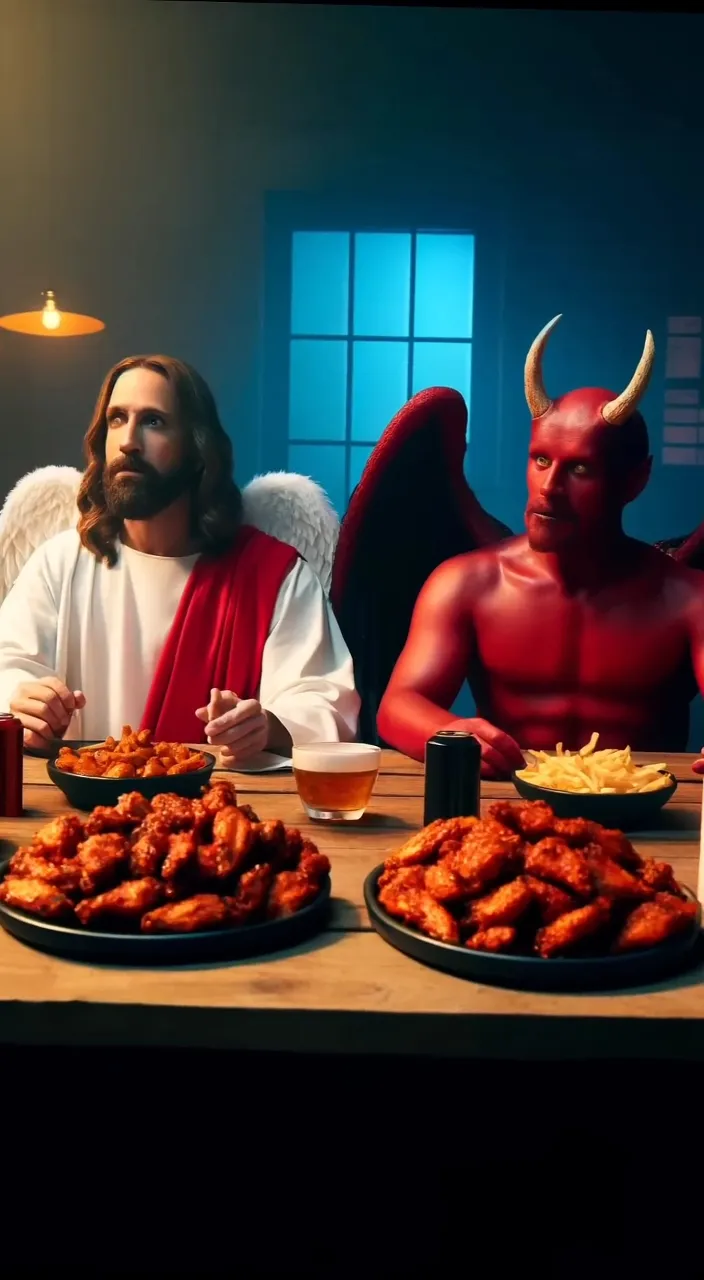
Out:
{"x": 91, "y": 773}
{"x": 164, "y": 881}
{"x": 526, "y": 899}
{"x": 606, "y": 786}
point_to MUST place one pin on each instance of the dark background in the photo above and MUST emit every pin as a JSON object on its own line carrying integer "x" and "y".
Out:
{"x": 139, "y": 141}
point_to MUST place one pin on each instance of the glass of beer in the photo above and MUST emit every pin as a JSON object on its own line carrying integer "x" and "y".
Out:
{"x": 335, "y": 779}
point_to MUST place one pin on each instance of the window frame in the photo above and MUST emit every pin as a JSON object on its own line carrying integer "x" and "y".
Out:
{"x": 288, "y": 212}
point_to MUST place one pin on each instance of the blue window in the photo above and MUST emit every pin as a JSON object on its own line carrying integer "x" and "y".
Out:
{"x": 374, "y": 318}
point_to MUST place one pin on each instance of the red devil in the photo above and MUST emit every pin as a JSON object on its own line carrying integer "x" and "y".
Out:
{"x": 571, "y": 628}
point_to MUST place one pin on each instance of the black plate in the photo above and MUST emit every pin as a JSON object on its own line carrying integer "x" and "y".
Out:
{"x": 147, "y": 950}
{"x": 634, "y": 812}
{"x": 531, "y": 973}
{"x": 85, "y": 793}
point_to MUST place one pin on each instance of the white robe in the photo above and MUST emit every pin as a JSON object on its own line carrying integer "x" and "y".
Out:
{"x": 102, "y": 630}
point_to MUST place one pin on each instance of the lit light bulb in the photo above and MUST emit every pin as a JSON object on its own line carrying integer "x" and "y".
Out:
{"x": 51, "y": 318}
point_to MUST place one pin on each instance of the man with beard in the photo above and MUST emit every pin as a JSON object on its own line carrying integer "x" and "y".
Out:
{"x": 574, "y": 627}
{"x": 162, "y": 608}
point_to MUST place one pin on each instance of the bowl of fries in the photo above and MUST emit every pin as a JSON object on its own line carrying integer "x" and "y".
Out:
{"x": 92, "y": 773}
{"x": 605, "y": 786}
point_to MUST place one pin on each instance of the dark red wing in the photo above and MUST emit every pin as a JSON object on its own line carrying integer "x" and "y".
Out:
{"x": 411, "y": 510}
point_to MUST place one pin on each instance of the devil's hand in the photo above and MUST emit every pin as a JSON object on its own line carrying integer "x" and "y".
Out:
{"x": 698, "y": 765}
{"x": 500, "y": 754}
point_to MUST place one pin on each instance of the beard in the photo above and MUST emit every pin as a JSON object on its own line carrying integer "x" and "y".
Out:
{"x": 143, "y": 496}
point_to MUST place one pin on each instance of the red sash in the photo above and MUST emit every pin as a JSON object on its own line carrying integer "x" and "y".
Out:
{"x": 217, "y": 638}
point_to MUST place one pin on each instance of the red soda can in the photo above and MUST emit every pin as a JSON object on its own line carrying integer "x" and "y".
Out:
{"x": 11, "y": 766}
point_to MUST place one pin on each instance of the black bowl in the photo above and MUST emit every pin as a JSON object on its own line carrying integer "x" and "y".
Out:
{"x": 85, "y": 793}
{"x": 635, "y": 812}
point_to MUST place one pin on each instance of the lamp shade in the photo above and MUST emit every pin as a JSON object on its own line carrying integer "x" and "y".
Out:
{"x": 50, "y": 322}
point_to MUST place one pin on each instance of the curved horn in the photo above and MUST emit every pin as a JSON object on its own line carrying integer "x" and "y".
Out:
{"x": 538, "y": 400}
{"x": 617, "y": 411}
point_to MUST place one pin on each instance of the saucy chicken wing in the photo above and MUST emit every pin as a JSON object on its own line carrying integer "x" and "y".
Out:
{"x": 202, "y": 912}
{"x": 101, "y": 858}
{"x": 126, "y": 902}
{"x": 36, "y": 897}
{"x": 565, "y": 933}
{"x": 654, "y": 922}
{"x": 551, "y": 859}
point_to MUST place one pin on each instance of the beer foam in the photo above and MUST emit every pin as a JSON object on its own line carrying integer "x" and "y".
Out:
{"x": 336, "y": 757}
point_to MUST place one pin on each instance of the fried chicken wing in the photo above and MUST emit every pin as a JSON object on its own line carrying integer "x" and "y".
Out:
{"x": 314, "y": 864}
{"x": 611, "y": 879}
{"x": 404, "y": 895}
{"x": 216, "y": 861}
{"x": 659, "y": 876}
{"x": 502, "y": 907}
{"x": 182, "y": 855}
{"x": 252, "y": 893}
{"x": 66, "y": 875}
{"x": 551, "y": 859}
{"x": 101, "y": 858}
{"x": 220, "y": 795}
{"x": 126, "y": 902}
{"x": 496, "y": 939}
{"x": 107, "y": 819}
{"x": 576, "y": 832}
{"x": 617, "y": 846}
{"x": 36, "y": 897}
{"x": 422, "y": 846}
{"x": 290, "y": 892}
{"x": 569, "y": 930}
{"x": 444, "y": 884}
{"x": 534, "y": 820}
{"x": 150, "y": 845}
{"x": 551, "y": 901}
{"x": 654, "y": 922}
{"x": 480, "y": 864}
{"x": 203, "y": 912}
{"x": 60, "y": 838}
{"x": 176, "y": 812}
{"x": 235, "y": 830}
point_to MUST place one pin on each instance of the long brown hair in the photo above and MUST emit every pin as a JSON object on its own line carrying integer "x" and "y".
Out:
{"x": 217, "y": 501}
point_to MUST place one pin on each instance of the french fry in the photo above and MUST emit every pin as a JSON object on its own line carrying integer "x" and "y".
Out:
{"x": 588, "y": 771}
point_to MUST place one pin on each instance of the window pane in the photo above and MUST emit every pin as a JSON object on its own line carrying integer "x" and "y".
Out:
{"x": 379, "y": 386}
{"x": 324, "y": 463}
{"x": 359, "y": 457}
{"x": 320, "y": 282}
{"x": 317, "y": 390}
{"x": 444, "y": 293}
{"x": 443, "y": 364}
{"x": 382, "y": 284}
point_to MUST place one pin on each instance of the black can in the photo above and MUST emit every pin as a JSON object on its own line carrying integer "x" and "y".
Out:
{"x": 11, "y": 766}
{"x": 453, "y": 762}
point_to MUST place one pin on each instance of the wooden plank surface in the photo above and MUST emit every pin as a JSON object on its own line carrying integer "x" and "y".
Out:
{"x": 346, "y": 990}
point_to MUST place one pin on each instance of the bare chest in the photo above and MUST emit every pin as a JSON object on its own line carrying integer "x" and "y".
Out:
{"x": 537, "y": 639}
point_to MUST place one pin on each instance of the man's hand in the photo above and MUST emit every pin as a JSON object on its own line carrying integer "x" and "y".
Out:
{"x": 45, "y": 708}
{"x": 240, "y": 728}
{"x": 500, "y": 754}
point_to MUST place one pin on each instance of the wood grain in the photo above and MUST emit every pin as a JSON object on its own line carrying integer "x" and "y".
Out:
{"x": 346, "y": 991}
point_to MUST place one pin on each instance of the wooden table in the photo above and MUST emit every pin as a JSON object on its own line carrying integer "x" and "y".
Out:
{"x": 347, "y": 991}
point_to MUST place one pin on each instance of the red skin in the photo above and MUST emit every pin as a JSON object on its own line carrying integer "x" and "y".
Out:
{"x": 570, "y": 629}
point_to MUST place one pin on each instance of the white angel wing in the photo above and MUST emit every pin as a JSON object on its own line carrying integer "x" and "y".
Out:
{"x": 296, "y": 510}
{"x": 41, "y": 504}
{"x": 290, "y": 507}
